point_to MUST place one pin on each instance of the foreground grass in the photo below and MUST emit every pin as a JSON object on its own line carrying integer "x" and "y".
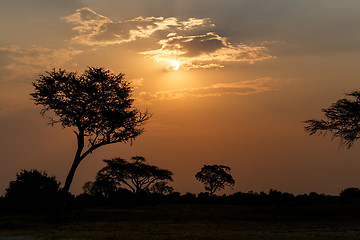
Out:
{"x": 186, "y": 222}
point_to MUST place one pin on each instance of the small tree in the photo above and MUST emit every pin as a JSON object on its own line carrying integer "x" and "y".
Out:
{"x": 161, "y": 188}
{"x": 97, "y": 104}
{"x": 32, "y": 188}
{"x": 215, "y": 177}
{"x": 342, "y": 120}
{"x": 136, "y": 174}
{"x": 350, "y": 194}
{"x": 102, "y": 186}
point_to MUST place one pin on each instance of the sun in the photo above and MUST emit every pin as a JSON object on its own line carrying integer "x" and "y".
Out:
{"x": 175, "y": 65}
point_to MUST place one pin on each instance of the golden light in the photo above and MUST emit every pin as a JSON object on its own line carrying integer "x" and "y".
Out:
{"x": 175, "y": 65}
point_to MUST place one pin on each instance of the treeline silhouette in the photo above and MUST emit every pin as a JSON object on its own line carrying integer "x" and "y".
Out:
{"x": 35, "y": 191}
{"x": 124, "y": 197}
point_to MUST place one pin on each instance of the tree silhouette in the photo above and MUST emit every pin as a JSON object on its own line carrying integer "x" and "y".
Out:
{"x": 102, "y": 186}
{"x": 161, "y": 188}
{"x": 32, "y": 188}
{"x": 97, "y": 104}
{"x": 136, "y": 174}
{"x": 215, "y": 177}
{"x": 350, "y": 194}
{"x": 342, "y": 120}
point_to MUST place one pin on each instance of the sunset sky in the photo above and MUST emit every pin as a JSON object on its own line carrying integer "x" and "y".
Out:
{"x": 227, "y": 81}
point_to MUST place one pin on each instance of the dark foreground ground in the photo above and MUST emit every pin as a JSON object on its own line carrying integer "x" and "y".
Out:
{"x": 187, "y": 222}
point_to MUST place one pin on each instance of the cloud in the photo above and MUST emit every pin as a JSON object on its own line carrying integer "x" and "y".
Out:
{"x": 216, "y": 90}
{"x": 178, "y": 41}
{"x": 22, "y": 62}
{"x": 88, "y": 23}
{"x": 136, "y": 83}
{"x": 204, "y": 51}
{"x": 95, "y": 29}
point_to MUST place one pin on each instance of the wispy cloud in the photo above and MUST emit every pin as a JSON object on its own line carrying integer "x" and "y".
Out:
{"x": 204, "y": 51}
{"x": 17, "y": 61}
{"x": 95, "y": 29}
{"x": 88, "y": 23}
{"x": 178, "y": 41}
{"x": 136, "y": 83}
{"x": 215, "y": 90}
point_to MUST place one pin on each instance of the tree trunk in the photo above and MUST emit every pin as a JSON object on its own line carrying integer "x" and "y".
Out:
{"x": 77, "y": 159}
{"x": 71, "y": 175}
{"x": 212, "y": 190}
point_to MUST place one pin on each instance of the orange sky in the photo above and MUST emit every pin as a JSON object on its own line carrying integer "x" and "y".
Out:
{"x": 250, "y": 73}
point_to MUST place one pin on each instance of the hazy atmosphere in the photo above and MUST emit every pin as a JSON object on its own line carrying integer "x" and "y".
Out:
{"x": 228, "y": 82}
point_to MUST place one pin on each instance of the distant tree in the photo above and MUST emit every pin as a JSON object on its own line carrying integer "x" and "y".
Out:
{"x": 135, "y": 174}
{"x": 342, "y": 120}
{"x": 350, "y": 194}
{"x": 100, "y": 187}
{"x": 32, "y": 187}
{"x": 96, "y": 104}
{"x": 215, "y": 177}
{"x": 161, "y": 188}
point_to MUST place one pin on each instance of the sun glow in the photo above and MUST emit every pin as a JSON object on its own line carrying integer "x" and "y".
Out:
{"x": 175, "y": 65}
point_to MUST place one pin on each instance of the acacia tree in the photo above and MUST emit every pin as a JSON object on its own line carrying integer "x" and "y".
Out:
{"x": 342, "y": 120}
{"x": 215, "y": 177}
{"x": 136, "y": 174}
{"x": 96, "y": 104}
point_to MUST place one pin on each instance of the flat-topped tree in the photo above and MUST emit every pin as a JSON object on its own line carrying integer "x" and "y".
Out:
{"x": 342, "y": 120}
{"x": 136, "y": 174}
{"x": 96, "y": 104}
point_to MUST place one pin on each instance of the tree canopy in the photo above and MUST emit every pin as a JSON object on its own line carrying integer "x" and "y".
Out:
{"x": 135, "y": 174}
{"x": 342, "y": 120}
{"x": 215, "y": 177}
{"x": 97, "y": 104}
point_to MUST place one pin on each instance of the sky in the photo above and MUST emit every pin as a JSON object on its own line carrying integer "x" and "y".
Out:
{"x": 227, "y": 81}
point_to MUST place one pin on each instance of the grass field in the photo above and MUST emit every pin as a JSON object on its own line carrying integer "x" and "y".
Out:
{"x": 186, "y": 222}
